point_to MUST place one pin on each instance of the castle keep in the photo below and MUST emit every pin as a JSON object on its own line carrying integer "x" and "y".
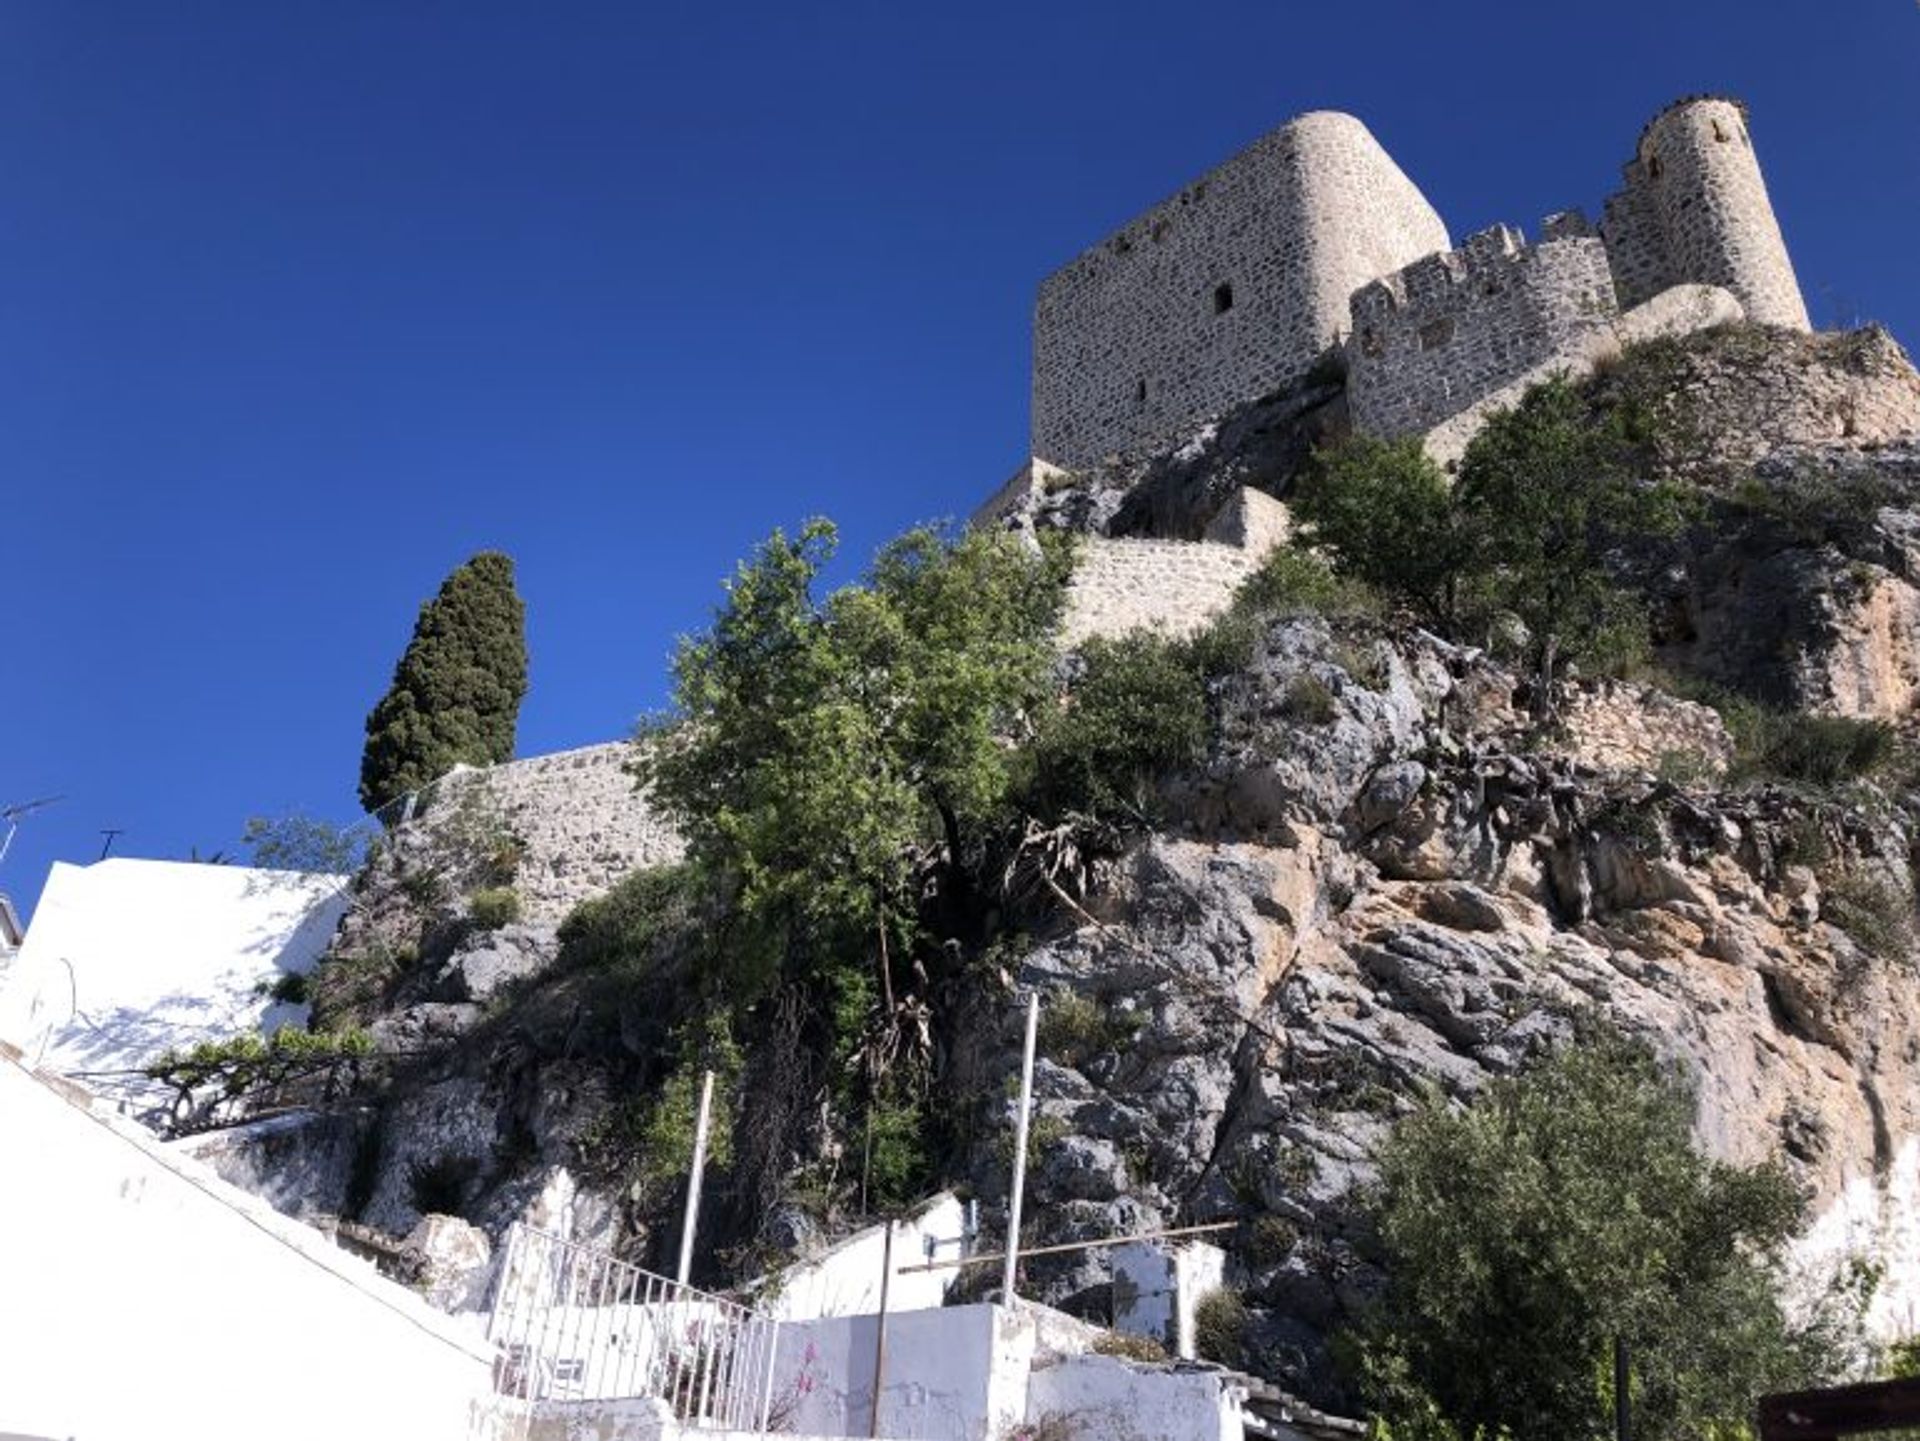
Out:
{"x": 1311, "y": 243}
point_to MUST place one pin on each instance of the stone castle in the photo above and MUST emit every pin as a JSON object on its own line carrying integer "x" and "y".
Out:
{"x": 1311, "y": 247}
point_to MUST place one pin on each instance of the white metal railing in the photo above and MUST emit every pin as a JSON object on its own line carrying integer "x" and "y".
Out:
{"x": 573, "y": 1323}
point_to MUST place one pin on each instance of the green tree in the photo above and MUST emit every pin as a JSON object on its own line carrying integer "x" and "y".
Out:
{"x": 456, "y": 692}
{"x": 1565, "y": 1208}
{"x": 1546, "y": 491}
{"x": 824, "y": 749}
{"x": 1385, "y": 513}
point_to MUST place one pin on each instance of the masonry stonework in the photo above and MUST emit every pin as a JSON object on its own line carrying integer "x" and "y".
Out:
{"x": 1226, "y": 291}
{"x": 1694, "y": 207}
{"x": 1451, "y": 328}
{"x": 1235, "y": 287}
{"x": 578, "y": 818}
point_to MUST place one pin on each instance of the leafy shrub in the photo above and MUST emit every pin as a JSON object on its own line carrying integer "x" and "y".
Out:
{"x": 1821, "y": 750}
{"x": 1294, "y": 581}
{"x": 1220, "y": 1328}
{"x": 213, "y": 1074}
{"x": 1385, "y": 512}
{"x": 290, "y": 988}
{"x": 1309, "y": 700}
{"x": 1564, "y": 1209}
{"x": 1877, "y": 914}
{"x": 1137, "y": 710}
{"x": 494, "y": 907}
{"x": 1074, "y": 1028}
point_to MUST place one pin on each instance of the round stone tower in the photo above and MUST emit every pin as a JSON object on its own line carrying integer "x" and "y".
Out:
{"x": 1697, "y": 167}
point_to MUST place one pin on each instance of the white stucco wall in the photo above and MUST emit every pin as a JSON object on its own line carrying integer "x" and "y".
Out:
{"x": 145, "y": 1300}
{"x": 1157, "y": 1288}
{"x": 844, "y": 1280}
{"x": 126, "y": 958}
{"x": 1109, "y": 1399}
{"x": 955, "y": 1374}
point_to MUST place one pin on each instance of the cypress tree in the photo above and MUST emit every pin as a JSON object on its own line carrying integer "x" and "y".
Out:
{"x": 456, "y": 692}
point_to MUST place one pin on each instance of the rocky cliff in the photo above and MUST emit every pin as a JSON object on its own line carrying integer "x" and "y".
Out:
{"x": 1385, "y": 875}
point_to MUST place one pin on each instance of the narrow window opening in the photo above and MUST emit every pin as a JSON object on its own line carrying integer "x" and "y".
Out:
{"x": 1653, "y": 168}
{"x": 1222, "y": 299}
{"x": 1140, "y": 393}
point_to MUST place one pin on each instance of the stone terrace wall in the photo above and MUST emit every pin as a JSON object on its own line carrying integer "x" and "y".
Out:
{"x": 1451, "y": 329}
{"x": 579, "y": 817}
{"x": 1222, "y": 293}
{"x": 1171, "y": 586}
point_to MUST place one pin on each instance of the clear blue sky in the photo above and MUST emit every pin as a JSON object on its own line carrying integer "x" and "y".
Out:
{"x": 301, "y": 304}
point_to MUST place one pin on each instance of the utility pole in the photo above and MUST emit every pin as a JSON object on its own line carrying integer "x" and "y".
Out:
{"x": 107, "y": 844}
{"x": 692, "y": 1218}
{"x": 1020, "y": 1152}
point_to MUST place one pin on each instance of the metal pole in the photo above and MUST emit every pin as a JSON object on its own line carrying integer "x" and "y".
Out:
{"x": 880, "y": 1336}
{"x": 1622, "y": 1401}
{"x": 1020, "y": 1152}
{"x": 692, "y": 1217}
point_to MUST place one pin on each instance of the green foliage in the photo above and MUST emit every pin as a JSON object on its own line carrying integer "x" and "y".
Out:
{"x": 455, "y": 695}
{"x": 1385, "y": 512}
{"x": 1817, "y": 750}
{"x": 1292, "y": 581}
{"x": 1074, "y": 1028}
{"x": 647, "y": 1142}
{"x": 349, "y": 985}
{"x": 1220, "y": 1328}
{"x": 493, "y": 907}
{"x": 1566, "y": 1207}
{"x": 290, "y": 988}
{"x": 1308, "y": 701}
{"x": 841, "y": 767}
{"x": 634, "y": 927}
{"x": 1137, "y": 710}
{"x": 1545, "y": 491}
{"x": 823, "y": 744}
{"x": 1820, "y": 504}
{"x": 1874, "y": 911}
{"x": 250, "y": 1066}
{"x": 301, "y": 843}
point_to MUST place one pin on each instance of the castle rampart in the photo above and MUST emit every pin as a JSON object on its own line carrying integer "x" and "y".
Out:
{"x": 1223, "y": 293}
{"x": 1237, "y": 285}
{"x": 1694, "y": 208}
{"x": 1433, "y": 338}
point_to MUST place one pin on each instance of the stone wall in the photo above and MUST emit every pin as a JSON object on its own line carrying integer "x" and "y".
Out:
{"x": 1222, "y": 293}
{"x": 1673, "y": 313}
{"x": 1171, "y": 586}
{"x": 1694, "y": 207}
{"x": 1447, "y": 330}
{"x": 580, "y": 821}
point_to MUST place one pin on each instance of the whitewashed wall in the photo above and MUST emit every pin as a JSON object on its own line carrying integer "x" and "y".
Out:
{"x": 126, "y": 958}
{"x": 145, "y": 1300}
{"x": 845, "y": 1280}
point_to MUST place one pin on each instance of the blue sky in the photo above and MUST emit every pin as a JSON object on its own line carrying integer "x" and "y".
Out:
{"x": 301, "y": 304}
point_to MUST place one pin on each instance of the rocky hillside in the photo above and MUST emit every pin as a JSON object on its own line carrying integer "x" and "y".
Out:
{"x": 1382, "y": 871}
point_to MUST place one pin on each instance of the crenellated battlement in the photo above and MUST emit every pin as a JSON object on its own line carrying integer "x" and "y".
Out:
{"x": 1433, "y": 338}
